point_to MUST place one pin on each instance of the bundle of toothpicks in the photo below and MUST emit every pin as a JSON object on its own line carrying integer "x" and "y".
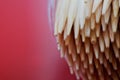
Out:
{"x": 88, "y": 37}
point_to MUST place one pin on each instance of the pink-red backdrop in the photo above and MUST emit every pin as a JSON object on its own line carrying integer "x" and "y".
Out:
{"x": 27, "y": 47}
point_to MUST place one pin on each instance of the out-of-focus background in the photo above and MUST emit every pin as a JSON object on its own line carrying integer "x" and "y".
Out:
{"x": 28, "y": 49}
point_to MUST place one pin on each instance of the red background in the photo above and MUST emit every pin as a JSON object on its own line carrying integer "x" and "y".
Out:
{"x": 27, "y": 46}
